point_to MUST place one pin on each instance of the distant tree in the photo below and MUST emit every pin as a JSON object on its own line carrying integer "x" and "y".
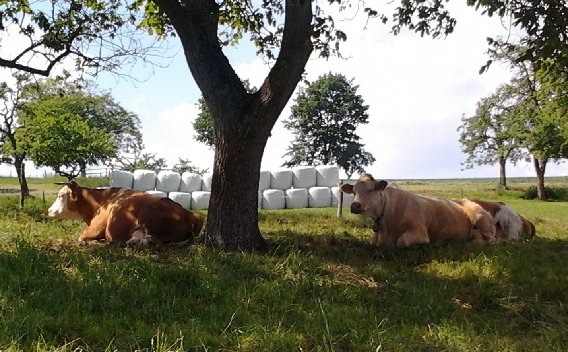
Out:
{"x": 323, "y": 120}
{"x": 64, "y": 141}
{"x": 529, "y": 113}
{"x": 491, "y": 135}
{"x": 82, "y": 98}
{"x": 62, "y": 100}
{"x": 203, "y": 124}
{"x": 185, "y": 165}
{"x": 542, "y": 106}
{"x": 11, "y": 99}
{"x": 138, "y": 159}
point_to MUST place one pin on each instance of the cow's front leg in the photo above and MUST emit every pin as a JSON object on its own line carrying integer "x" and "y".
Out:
{"x": 412, "y": 238}
{"x": 95, "y": 231}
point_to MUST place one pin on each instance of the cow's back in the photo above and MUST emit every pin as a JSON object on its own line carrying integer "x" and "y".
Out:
{"x": 442, "y": 219}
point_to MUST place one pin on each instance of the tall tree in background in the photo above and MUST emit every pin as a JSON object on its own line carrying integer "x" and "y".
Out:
{"x": 491, "y": 135}
{"x": 64, "y": 141}
{"x": 526, "y": 117}
{"x": 106, "y": 129}
{"x": 323, "y": 121}
{"x": 285, "y": 32}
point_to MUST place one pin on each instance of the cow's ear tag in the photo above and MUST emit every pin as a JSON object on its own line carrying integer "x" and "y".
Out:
{"x": 381, "y": 185}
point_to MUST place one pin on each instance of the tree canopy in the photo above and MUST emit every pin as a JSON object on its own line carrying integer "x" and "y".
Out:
{"x": 323, "y": 121}
{"x": 491, "y": 135}
{"x": 103, "y": 128}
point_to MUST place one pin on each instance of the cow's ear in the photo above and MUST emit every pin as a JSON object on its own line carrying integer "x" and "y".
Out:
{"x": 347, "y": 188}
{"x": 381, "y": 185}
{"x": 74, "y": 189}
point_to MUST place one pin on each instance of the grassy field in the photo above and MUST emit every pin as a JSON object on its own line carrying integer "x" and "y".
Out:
{"x": 319, "y": 287}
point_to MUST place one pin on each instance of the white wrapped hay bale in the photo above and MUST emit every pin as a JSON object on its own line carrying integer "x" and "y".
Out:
{"x": 168, "y": 181}
{"x": 347, "y": 197}
{"x": 182, "y": 198}
{"x": 200, "y": 200}
{"x": 296, "y": 198}
{"x": 160, "y": 194}
{"x": 273, "y": 199}
{"x": 264, "y": 181}
{"x": 319, "y": 197}
{"x": 281, "y": 179}
{"x": 144, "y": 180}
{"x": 190, "y": 182}
{"x": 206, "y": 182}
{"x": 327, "y": 175}
{"x": 304, "y": 177}
{"x": 122, "y": 179}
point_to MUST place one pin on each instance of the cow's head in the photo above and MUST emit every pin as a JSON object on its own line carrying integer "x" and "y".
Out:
{"x": 65, "y": 206}
{"x": 367, "y": 200}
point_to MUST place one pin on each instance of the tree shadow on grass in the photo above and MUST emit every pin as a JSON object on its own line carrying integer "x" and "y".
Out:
{"x": 307, "y": 292}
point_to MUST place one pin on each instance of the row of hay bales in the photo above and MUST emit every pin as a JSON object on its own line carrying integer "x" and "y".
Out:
{"x": 290, "y": 188}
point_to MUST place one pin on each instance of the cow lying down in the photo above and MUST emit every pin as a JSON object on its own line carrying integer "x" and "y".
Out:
{"x": 509, "y": 224}
{"x": 126, "y": 215}
{"x": 405, "y": 219}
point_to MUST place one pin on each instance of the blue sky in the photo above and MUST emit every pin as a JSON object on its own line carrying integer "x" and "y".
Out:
{"x": 417, "y": 89}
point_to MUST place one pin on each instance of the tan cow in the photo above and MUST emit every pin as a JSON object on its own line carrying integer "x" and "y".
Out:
{"x": 509, "y": 224}
{"x": 126, "y": 215}
{"x": 405, "y": 219}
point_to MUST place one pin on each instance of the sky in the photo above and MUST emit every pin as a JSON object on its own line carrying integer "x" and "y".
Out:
{"x": 417, "y": 89}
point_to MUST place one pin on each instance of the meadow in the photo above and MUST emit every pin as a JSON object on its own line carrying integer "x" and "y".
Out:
{"x": 319, "y": 287}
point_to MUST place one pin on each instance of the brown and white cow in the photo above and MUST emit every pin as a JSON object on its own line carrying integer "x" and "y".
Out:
{"x": 126, "y": 215}
{"x": 405, "y": 219}
{"x": 509, "y": 224}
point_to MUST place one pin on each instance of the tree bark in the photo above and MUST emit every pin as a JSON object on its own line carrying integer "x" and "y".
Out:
{"x": 540, "y": 168}
{"x": 242, "y": 121}
{"x": 232, "y": 220}
{"x": 502, "y": 172}
{"x": 21, "y": 173}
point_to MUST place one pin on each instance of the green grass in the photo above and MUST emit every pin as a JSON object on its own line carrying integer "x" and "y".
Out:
{"x": 319, "y": 287}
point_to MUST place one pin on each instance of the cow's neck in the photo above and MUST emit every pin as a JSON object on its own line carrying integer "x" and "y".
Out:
{"x": 90, "y": 200}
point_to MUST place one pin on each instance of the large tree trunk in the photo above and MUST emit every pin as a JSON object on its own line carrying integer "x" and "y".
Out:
{"x": 540, "y": 168}
{"x": 502, "y": 172}
{"x": 242, "y": 121}
{"x": 233, "y": 208}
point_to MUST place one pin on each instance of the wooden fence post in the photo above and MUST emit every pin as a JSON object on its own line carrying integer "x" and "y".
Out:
{"x": 340, "y": 201}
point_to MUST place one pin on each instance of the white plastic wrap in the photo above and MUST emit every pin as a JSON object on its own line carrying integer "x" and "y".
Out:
{"x": 200, "y": 200}
{"x": 304, "y": 177}
{"x": 296, "y": 198}
{"x": 347, "y": 197}
{"x": 168, "y": 181}
{"x": 206, "y": 182}
{"x": 273, "y": 199}
{"x": 264, "y": 181}
{"x": 157, "y": 193}
{"x": 144, "y": 180}
{"x": 281, "y": 179}
{"x": 319, "y": 197}
{"x": 122, "y": 179}
{"x": 327, "y": 175}
{"x": 190, "y": 182}
{"x": 182, "y": 198}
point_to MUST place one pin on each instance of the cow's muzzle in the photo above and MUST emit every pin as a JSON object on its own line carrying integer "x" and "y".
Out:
{"x": 356, "y": 208}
